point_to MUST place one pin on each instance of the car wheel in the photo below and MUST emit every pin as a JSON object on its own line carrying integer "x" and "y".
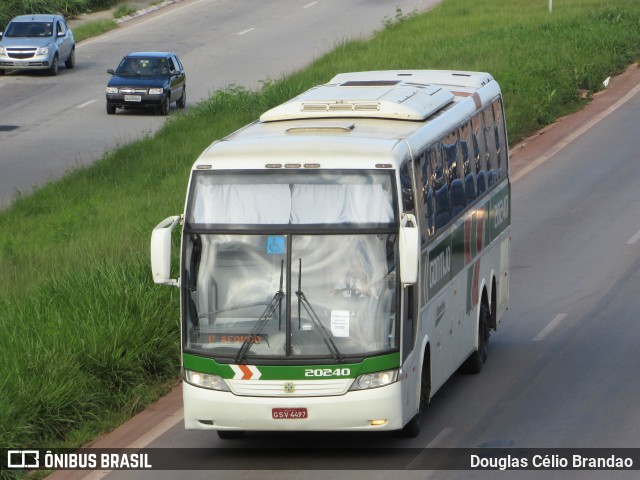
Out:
{"x": 182, "y": 101}
{"x": 53, "y": 69}
{"x": 111, "y": 109}
{"x": 163, "y": 109}
{"x": 1, "y": 71}
{"x": 71, "y": 61}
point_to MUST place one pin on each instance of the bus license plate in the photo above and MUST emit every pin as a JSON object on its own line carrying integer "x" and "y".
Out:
{"x": 287, "y": 413}
{"x": 132, "y": 98}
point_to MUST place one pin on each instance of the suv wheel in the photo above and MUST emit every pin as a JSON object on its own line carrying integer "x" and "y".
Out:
{"x": 111, "y": 109}
{"x": 71, "y": 61}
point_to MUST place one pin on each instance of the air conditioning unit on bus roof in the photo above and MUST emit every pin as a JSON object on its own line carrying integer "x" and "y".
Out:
{"x": 392, "y": 99}
{"x": 446, "y": 78}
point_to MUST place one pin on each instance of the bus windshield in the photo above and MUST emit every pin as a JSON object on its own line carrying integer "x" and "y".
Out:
{"x": 291, "y": 198}
{"x": 323, "y": 296}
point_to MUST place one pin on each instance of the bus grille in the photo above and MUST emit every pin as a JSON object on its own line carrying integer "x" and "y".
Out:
{"x": 289, "y": 388}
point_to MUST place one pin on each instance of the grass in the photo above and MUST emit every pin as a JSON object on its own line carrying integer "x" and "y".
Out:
{"x": 88, "y": 339}
{"x": 11, "y": 8}
{"x": 93, "y": 29}
{"x": 123, "y": 10}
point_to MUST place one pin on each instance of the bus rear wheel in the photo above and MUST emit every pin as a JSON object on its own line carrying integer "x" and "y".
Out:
{"x": 476, "y": 360}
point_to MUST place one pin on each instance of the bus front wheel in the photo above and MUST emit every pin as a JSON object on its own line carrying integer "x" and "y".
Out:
{"x": 412, "y": 429}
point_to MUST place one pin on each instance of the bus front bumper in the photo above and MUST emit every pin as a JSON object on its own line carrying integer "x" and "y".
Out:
{"x": 372, "y": 409}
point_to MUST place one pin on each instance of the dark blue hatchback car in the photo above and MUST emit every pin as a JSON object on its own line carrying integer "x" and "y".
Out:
{"x": 147, "y": 80}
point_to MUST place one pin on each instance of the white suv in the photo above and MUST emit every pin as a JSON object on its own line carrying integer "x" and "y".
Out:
{"x": 39, "y": 42}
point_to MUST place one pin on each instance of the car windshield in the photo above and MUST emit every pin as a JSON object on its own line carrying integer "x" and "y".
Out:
{"x": 143, "y": 66}
{"x": 29, "y": 29}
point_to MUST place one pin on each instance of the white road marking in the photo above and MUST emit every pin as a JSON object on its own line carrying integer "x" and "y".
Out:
{"x": 246, "y": 31}
{"x": 310, "y": 4}
{"x": 417, "y": 461}
{"x": 176, "y": 7}
{"x": 144, "y": 440}
{"x": 633, "y": 240}
{"x": 446, "y": 432}
{"x": 549, "y": 328}
{"x": 82, "y": 105}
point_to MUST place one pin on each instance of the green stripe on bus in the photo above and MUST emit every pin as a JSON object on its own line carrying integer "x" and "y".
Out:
{"x": 296, "y": 372}
{"x": 500, "y": 212}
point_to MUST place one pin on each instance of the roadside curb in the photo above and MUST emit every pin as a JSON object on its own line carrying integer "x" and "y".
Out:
{"x": 540, "y": 146}
{"x": 108, "y": 14}
{"x": 144, "y": 11}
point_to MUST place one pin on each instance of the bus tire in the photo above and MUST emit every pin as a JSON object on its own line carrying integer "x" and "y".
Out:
{"x": 412, "y": 428}
{"x": 476, "y": 360}
{"x": 230, "y": 434}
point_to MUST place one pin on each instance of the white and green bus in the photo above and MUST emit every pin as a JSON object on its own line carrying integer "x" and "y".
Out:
{"x": 343, "y": 255}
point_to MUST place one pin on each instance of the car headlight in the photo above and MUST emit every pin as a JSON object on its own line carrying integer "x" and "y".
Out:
{"x": 156, "y": 91}
{"x": 2, "y": 51}
{"x": 375, "y": 380}
{"x": 43, "y": 50}
{"x": 206, "y": 380}
{"x": 112, "y": 89}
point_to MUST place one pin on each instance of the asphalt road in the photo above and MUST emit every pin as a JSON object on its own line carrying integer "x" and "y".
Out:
{"x": 563, "y": 369}
{"x": 49, "y": 125}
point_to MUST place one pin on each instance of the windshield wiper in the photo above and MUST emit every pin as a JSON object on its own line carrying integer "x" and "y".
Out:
{"x": 263, "y": 320}
{"x": 302, "y": 300}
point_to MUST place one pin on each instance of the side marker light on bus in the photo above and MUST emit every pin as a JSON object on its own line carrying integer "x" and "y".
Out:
{"x": 203, "y": 167}
{"x": 311, "y": 165}
{"x": 205, "y": 380}
{"x": 375, "y": 380}
{"x": 292, "y": 165}
{"x": 383, "y": 165}
{"x": 273, "y": 165}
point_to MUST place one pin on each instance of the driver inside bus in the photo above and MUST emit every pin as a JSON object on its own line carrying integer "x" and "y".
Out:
{"x": 356, "y": 281}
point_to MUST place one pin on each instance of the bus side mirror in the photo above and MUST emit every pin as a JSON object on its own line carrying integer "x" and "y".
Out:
{"x": 409, "y": 246}
{"x": 161, "y": 251}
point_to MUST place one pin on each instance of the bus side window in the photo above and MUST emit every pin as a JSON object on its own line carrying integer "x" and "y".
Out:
{"x": 440, "y": 188}
{"x": 469, "y": 163}
{"x": 425, "y": 199}
{"x": 455, "y": 166}
{"x": 480, "y": 152}
{"x": 490, "y": 135}
{"x": 406, "y": 184}
{"x": 501, "y": 138}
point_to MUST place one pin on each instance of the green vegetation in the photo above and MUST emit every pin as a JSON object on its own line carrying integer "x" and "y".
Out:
{"x": 123, "y": 10}
{"x": 11, "y": 8}
{"x": 93, "y": 29}
{"x": 88, "y": 338}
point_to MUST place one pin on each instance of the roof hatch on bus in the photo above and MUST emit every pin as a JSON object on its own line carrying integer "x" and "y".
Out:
{"x": 370, "y": 99}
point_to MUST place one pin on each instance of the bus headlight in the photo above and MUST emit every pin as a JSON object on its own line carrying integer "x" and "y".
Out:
{"x": 375, "y": 380}
{"x": 206, "y": 380}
